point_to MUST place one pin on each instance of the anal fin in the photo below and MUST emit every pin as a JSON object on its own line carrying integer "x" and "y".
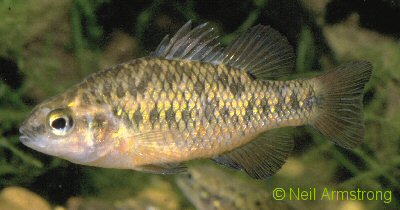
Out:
{"x": 262, "y": 157}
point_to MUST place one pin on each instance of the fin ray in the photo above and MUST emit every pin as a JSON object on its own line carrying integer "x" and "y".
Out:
{"x": 261, "y": 51}
{"x": 262, "y": 157}
{"x": 339, "y": 114}
{"x": 163, "y": 168}
{"x": 199, "y": 43}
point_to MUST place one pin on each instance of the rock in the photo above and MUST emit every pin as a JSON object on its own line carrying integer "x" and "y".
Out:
{"x": 18, "y": 198}
{"x": 78, "y": 203}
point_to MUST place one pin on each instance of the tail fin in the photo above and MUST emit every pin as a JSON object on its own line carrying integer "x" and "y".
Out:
{"x": 340, "y": 93}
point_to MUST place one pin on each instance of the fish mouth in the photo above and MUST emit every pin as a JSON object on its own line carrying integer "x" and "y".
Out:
{"x": 29, "y": 139}
{"x": 25, "y": 136}
{"x": 24, "y": 139}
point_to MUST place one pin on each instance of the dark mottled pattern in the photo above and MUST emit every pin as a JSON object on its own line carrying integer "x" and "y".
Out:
{"x": 194, "y": 96}
{"x": 209, "y": 113}
{"x": 107, "y": 88}
{"x": 233, "y": 88}
{"x": 265, "y": 107}
{"x": 249, "y": 111}
{"x": 199, "y": 87}
{"x": 186, "y": 116}
{"x": 137, "y": 117}
{"x": 132, "y": 89}
{"x": 279, "y": 106}
{"x": 85, "y": 99}
{"x": 294, "y": 102}
{"x": 39, "y": 129}
{"x": 154, "y": 115}
{"x": 120, "y": 91}
{"x": 170, "y": 116}
{"x": 223, "y": 77}
{"x": 142, "y": 86}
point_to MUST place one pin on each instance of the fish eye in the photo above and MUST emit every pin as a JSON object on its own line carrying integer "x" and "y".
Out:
{"x": 60, "y": 122}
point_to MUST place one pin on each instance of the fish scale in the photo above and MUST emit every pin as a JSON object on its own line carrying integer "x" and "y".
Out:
{"x": 220, "y": 94}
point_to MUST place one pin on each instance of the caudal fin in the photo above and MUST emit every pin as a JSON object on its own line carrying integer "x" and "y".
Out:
{"x": 339, "y": 112}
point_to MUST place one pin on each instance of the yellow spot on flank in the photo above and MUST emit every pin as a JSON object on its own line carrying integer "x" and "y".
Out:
{"x": 287, "y": 99}
{"x": 179, "y": 95}
{"x": 231, "y": 112}
{"x": 275, "y": 101}
{"x": 191, "y": 104}
{"x": 221, "y": 104}
{"x": 240, "y": 103}
{"x": 122, "y": 131}
{"x": 163, "y": 95}
{"x": 234, "y": 104}
{"x": 214, "y": 86}
{"x": 171, "y": 94}
{"x": 178, "y": 115}
{"x": 255, "y": 110}
{"x": 162, "y": 115}
{"x": 270, "y": 102}
{"x": 188, "y": 95}
{"x": 160, "y": 106}
{"x": 210, "y": 96}
{"x": 167, "y": 105}
{"x": 71, "y": 104}
{"x": 175, "y": 105}
{"x": 183, "y": 105}
{"x": 243, "y": 111}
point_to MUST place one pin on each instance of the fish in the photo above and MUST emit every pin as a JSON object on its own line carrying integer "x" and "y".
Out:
{"x": 225, "y": 191}
{"x": 192, "y": 98}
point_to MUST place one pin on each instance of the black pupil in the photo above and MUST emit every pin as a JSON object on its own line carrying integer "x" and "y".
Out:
{"x": 59, "y": 123}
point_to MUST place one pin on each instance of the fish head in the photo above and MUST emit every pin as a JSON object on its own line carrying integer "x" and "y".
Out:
{"x": 65, "y": 128}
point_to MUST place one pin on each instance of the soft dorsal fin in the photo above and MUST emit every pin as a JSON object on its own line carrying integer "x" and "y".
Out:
{"x": 262, "y": 157}
{"x": 199, "y": 43}
{"x": 261, "y": 51}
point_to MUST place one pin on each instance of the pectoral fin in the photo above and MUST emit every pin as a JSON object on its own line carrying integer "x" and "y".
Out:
{"x": 262, "y": 157}
{"x": 163, "y": 168}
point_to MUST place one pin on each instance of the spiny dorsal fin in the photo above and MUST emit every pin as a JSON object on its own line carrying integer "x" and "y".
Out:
{"x": 262, "y": 157}
{"x": 198, "y": 44}
{"x": 261, "y": 51}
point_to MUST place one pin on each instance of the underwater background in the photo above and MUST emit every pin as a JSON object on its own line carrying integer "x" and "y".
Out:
{"x": 46, "y": 46}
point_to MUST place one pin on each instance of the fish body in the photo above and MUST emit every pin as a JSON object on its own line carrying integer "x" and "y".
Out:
{"x": 191, "y": 99}
{"x": 217, "y": 191}
{"x": 206, "y": 109}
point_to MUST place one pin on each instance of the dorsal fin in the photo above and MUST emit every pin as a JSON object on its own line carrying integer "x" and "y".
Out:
{"x": 199, "y": 44}
{"x": 261, "y": 51}
{"x": 263, "y": 156}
